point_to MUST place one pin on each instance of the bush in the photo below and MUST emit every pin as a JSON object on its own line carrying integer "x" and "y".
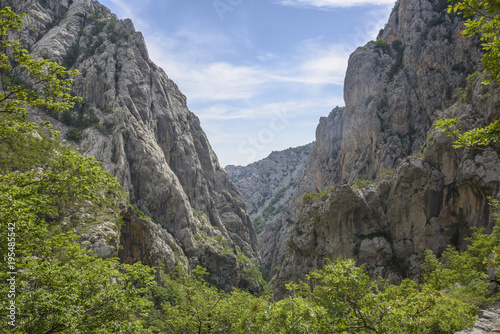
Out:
{"x": 74, "y": 135}
{"x": 382, "y": 45}
{"x": 360, "y": 184}
{"x": 71, "y": 56}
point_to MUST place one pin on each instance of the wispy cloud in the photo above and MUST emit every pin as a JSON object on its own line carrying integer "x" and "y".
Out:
{"x": 323, "y": 4}
{"x": 126, "y": 9}
{"x": 204, "y": 79}
{"x": 292, "y": 109}
{"x": 318, "y": 63}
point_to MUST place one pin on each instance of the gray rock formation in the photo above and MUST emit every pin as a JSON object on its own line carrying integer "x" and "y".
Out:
{"x": 143, "y": 132}
{"x": 393, "y": 88}
{"x": 489, "y": 321}
{"x": 421, "y": 193}
{"x": 267, "y": 186}
{"x": 429, "y": 201}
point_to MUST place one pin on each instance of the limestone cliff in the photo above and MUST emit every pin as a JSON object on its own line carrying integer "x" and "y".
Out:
{"x": 429, "y": 201}
{"x": 268, "y": 185}
{"x": 413, "y": 190}
{"x": 135, "y": 120}
{"x": 393, "y": 88}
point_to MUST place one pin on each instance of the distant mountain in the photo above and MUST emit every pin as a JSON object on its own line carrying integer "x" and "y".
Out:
{"x": 267, "y": 186}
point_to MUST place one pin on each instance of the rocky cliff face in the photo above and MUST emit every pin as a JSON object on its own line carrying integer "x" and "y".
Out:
{"x": 268, "y": 185}
{"x": 429, "y": 201}
{"x": 135, "y": 120}
{"x": 418, "y": 192}
{"x": 393, "y": 88}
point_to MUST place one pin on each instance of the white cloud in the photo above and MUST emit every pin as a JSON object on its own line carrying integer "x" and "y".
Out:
{"x": 190, "y": 60}
{"x": 319, "y": 64}
{"x": 290, "y": 109}
{"x": 333, "y": 3}
{"x": 131, "y": 10}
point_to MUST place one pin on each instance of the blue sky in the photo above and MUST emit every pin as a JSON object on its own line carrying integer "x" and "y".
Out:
{"x": 258, "y": 73}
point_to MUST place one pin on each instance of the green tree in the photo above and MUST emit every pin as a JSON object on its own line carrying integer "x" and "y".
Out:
{"x": 48, "y": 282}
{"x": 352, "y": 303}
{"x": 27, "y": 81}
{"x": 188, "y": 304}
{"x": 483, "y": 20}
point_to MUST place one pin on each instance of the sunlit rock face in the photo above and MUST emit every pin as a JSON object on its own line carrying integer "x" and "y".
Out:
{"x": 420, "y": 193}
{"x": 145, "y": 135}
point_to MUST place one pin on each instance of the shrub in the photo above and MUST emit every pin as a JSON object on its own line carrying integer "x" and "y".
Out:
{"x": 74, "y": 135}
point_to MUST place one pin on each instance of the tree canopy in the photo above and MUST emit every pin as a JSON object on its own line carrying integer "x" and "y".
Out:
{"x": 49, "y": 283}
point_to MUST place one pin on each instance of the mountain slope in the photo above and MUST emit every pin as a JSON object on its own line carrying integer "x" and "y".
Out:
{"x": 267, "y": 186}
{"x": 392, "y": 186}
{"x": 135, "y": 120}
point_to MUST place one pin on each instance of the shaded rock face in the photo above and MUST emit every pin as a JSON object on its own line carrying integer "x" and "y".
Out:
{"x": 393, "y": 88}
{"x": 324, "y": 154}
{"x": 145, "y": 135}
{"x": 268, "y": 185}
{"x": 429, "y": 201}
{"x": 423, "y": 194}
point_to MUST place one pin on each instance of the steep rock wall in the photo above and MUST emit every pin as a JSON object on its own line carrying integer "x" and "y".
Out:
{"x": 428, "y": 202}
{"x": 268, "y": 185}
{"x": 395, "y": 88}
{"x": 145, "y": 135}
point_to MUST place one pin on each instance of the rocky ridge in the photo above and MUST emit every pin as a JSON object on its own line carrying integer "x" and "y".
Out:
{"x": 382, "y": 184}
{"x": 135, "y": 120}
{"x": 268, "y": 185}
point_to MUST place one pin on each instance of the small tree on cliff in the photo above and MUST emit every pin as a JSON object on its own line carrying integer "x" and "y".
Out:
{"x": 483, "y": 20}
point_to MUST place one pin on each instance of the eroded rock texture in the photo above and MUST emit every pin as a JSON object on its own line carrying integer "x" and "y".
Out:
{"x": 145, "y": 135}
{"x": 268, "y": 185}
{"x": 420, "y": 192}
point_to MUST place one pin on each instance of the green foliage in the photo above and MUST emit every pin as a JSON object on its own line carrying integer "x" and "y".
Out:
{"x": 188, "y": 304}
{"x": 98, "y": 46}
{"x": 316, "y": 197}
{"x": 479, "y": 138}
{"x": 81, "y": 116}
{"x": 341, "y": 298}
{"x": 259, "y": 224}
{"x": 52, "y": 283}
{"x": 74, "y": 135}
{"x": 271, "y": 210}
{"x": 360, "y": 184}
{"x": 483, "y": 20}
{"x": 464, "y": 274}
{"x": 71, "y": 55}
{"x": 397, "y": 45}
{"x": 465, "y": 95}
{"x": 67, "y": 289}
{"x": 61, "y": 286}
{"x": 383, "y": 46}
{"x": 31, "y": 82}
{"x": 388, "y": 173}
{"x": 352, "y": 303}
